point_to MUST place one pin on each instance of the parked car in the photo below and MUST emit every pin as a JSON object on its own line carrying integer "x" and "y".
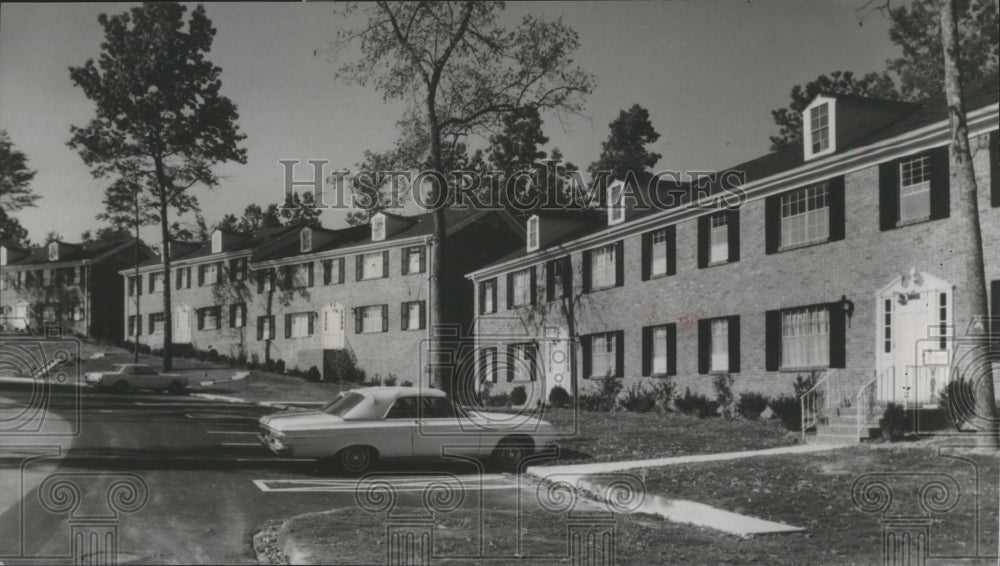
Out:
{"x": 124, "y": 377}
{"x": 361, "y": 426}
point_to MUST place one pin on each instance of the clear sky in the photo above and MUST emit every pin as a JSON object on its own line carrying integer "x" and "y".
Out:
{"x": 709, "y": 72}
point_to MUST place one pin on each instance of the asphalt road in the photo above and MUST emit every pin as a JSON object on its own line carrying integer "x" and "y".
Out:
{"x": 170, "y": 479}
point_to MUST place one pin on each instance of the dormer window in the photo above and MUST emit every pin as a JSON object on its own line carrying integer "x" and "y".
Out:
{"x": 53, "y": 251}
{"x": 616, "y": 203}
{"x": 819, "y": 128}
{"x": 305, "y": 240}
{"x": 533, "y": 233}
{"x": 378, "y": 227}
{"x": 216, "y": 242}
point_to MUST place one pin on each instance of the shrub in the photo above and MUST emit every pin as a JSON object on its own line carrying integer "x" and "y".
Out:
{"x": 269, "y": 366}
{"x": 156, "y": 352}
{"x": 604, "y": 397}
{"x": 279, "y": 366}
{"x": 751, "y": 405}
{"x": 696, "y": 404}
{"x": 723, "y": 384}
{"x": 789, "y": 410}
{"x": 518, "y": 396}
{"x": 802, "y": 385}
{"x": 591, "y": 401}
{"x": 958, "y": 401}
{"x": 144, "y": 348}
{"x": 254, "y": 362}
{"x": 407, "y": 383}
{"x": 558, "y": 397}
{"x": 498, "y": 400}
{"x": 213, "y": 355}
{"x": 202, "y": 355}
{"x": 894, "y": 423}
{"x": 637, "y": 399}
{"x": 663, "y": 392}
{"x": 342, "y": 365}
{"x": 390, "y": 379}
{"x": 313, "y": 374}
{"x": 240, "y": 360}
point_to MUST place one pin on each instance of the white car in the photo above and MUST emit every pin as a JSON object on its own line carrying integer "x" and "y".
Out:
{"x": 361, "y": 426}
{"x": 124, "y": 377}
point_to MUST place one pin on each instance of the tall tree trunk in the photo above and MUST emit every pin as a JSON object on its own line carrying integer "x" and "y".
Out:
{"x": 168, "y": 324}
{"x": 436, "y": 314}
{"x": 963, "y": 177}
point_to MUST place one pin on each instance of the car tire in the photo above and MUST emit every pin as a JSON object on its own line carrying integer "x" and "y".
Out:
{"x": 510, "y": 452}
{"x": 175, "y": 388}
{"x": 356, "y": 460}
{"x": 120, "y": 386}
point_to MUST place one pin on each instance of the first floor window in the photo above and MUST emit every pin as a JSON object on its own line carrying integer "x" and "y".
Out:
{"x": 371, "y": 319}
{"x": 488, "y": 365}
{"x": 805, "y": 337}
{"x": 134, "y": 325}
{"x": 413, "y": 315}
{"x": 720, "y": 345}
{"x": 603, "y": 355}
{"x": 299, "y": 325}
{"x": 156, "y": 323}
{"x": 208, "y": 318}
{"x": 521, "y": 363}
{"x": 719, "y": 243}
{"x": 265, "y": 327}
{"x": 77, "y": 313}
{"x": 657, "y": 349}
{"x": 238, "y": 315}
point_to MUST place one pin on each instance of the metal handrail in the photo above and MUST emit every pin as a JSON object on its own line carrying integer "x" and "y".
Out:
{"x": 867, "y": 400}
{"x": 809, "y": 405}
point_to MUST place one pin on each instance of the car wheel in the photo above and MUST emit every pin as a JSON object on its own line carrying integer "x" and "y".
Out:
{"x": 510, "y": 452}
{"x": 175, "y": 388}
{"x": 121, "y": 386}
{"x": 356, "y": 460}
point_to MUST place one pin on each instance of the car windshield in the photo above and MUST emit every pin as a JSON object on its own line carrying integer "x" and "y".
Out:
{"x": 342, "y": 404}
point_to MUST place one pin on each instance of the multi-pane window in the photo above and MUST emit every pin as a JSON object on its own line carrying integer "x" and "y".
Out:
{"x": 134, "y": 285}
{"x": 915, "y": 188}
{"x": 265, "y": 327}
{"x": 487, "y": 296}
{"x": 616, "y": 204}
{"x": 603, "y": 359}
{"x": 238, "y": 315}
{"x": 183, "y": 275}
{"x": 602, "y": 267}
{"x": 299, "y": 324}
{"x": 413, "y": 260}
{"x": 522, "y": 287}
{"x": 299, "y": 275}
{"x": 887, "y": 319}
{"x": 558, "y": 278}
{"x": 658, "y": 253}
{"x": 371, "y": 265}
{"x": 532, "y": 233}
{"x": 521, "y": 364}
{"x": 156, "y": 282}
{"x": 134, "y": 325}
{"x": 156, "y": 323}
{"x": 805, "y": 215}
{"x": 719, "y": 238}
{"x": 805, "y": 337}
{"x": 659, "y": 350}
{"x": 413, "y": 315}
{"x": 208, "y": 318}
{"x": 77, "y": 313}
{"x": 371, "y": 318}
{"x": 488, "y": 365}
{"x": 720, "y": 345}
{"x": 208, "y": 274}
{"x": 265, "y": 281}
{"x": 333, "y": 271}
{"x": 819, "y": 126}
{"x": 238, "y": 269}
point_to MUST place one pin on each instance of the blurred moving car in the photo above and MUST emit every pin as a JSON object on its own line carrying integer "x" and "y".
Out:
{"x": 361, "y": 426}
{"x": 125, "y": 377}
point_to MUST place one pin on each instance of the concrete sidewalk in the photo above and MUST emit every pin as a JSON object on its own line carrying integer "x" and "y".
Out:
{"x": 602, "y": 482}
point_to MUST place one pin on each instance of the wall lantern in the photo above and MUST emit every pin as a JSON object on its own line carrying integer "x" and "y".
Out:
{"x": 847, "y": 306}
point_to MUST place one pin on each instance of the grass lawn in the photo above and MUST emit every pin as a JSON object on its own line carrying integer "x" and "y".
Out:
{"x": 620, "y": 435}
{"x": 812, "y": 491}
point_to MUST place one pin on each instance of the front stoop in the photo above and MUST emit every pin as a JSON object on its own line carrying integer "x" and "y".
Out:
{"x": 842, "y": 428}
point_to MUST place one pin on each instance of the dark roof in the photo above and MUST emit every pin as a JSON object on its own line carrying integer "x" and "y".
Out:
{"x": 39, "y": 255}
{"x": 246, "y": 242}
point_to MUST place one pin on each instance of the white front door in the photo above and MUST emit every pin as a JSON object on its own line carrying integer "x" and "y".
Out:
{"x": 557, "y": 370}
{"x": 333, "y": 327}
{"x": 182, "y": 325}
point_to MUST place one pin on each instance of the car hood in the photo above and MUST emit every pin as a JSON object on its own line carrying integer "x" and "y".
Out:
{"x": 292, "y": 421}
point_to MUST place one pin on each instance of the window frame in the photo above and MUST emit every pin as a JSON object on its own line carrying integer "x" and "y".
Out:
{"x": 406, "y": 315}
{"x": 614, "y": 339}
{"x": 804, "y": 196}
{"x": 789, "y": 365}
{"x": 530, "y": 350}
{"x": 488, "y": 289}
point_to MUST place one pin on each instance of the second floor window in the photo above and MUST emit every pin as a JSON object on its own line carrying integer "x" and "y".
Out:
{"x": 719, "y": 250}
{"x": 413, "y": 260}
{"x": 208, "y": 274}
{"x": 333, "y": 271}
{"x": 915, "y": 188}
{"x": 373, "y": 265}
{"x": 155, "y": 282}
{"x": 805, "y": 216}
{"x": 602, "y": 267}
{"x": 521, "y": 290}
{"x": 299, "y": 276}
{"x": 182, "y": 278}
{"x": 488, "y": 296}
{"x": 134, "y": 285}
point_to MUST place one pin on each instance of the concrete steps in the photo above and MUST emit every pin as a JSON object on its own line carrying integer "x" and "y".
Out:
{"x": 842, "y": 428}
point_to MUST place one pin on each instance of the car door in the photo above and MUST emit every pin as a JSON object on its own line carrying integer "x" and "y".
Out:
{"x": 145, "y": 378}
{"x": 440, "y": 431}
{"x": 393, "y": 435}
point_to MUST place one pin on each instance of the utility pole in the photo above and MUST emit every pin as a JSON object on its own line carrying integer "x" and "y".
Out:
{"x": 135, "y": 280}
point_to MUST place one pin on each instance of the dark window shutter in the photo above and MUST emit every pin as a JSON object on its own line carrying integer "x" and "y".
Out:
{"x": 772, "y": 340}
{"x": 533, "y": 362}
{"x": 704, "y": 228}
{"x": 403, "y": 261}
{"x": 510, "y": 291}
{"x": 403, "y": 317}
{"x": 733, "y": 230}
{"x": 232, "y": 316}
{"x": 358, "y": 320}
{"x": 567, "y": 277}
{"x": 312, "y": 323}
{"x": 151, "y": 324}
{"x": 995, "y": 305}
{"x": 550, "y": 280}
{"x": 647, "y": 350}
{"x": 481, "y": 288}
{"x": 835, "y": 199}
{"x": 672, "y": 249}
{"x": 585, "y": 275}
{"x": 619, "y": 353}
{"x": 888, "y": 195}
{"x": 734, "y": 344}
{"x": 151, "y": 287}
{"x": 138, "y": 284}
{"x": 671, "y": 349}
{"x": 838, "y": 336}
{"x": 493, "y": 289}
{"x": 533, "y": 282}
{"x": 260, "y": 328}
{"x": 244, "y": 266}
{"x": 201, "y": 319}
{"x": 288, "y": 326}
{"x": 340, "y": 269}
{"x": 423, "y": 314}
{"x": 423, "y": 260}
{"x": 327, "y": 272}
{"x": 359, "y": 264}
{"x": 620, "y": 263}
{"x": 218, "y": 272}
{"x": 511, "y": 362}
{"x": 647, "y": 256}
{"x": 940, "y": 183}
{"x": 187, "y": 274}
{"x": 385, "y": 317}
{"x": 995, "y": 168}
{"x": 385, "y": 263}
{"x": 585, "y": 348}
{"x": 310, "y": 268}
{"x": 704, "y": 344}
{"x": 772, "y": 224}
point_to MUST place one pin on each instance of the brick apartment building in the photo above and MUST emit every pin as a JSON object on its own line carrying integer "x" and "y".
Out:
{"x": 842, "y": 257}
{"x": 296, "y": 293}
{"x": 74, "y": 285}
